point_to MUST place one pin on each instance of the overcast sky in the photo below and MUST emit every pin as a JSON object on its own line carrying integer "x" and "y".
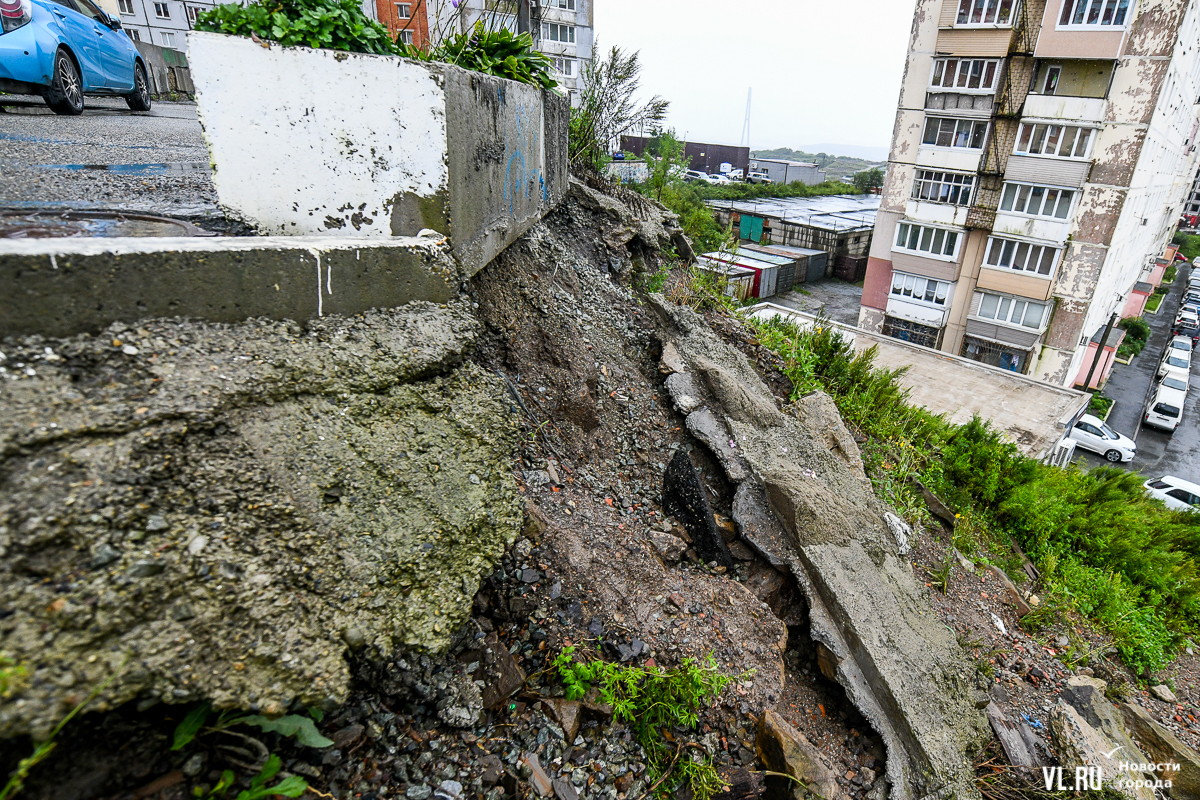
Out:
{"x": 822, "y": 72}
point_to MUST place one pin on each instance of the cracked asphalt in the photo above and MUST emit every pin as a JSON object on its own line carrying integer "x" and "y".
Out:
{"x": 109, "y": 157}
{"x": 1159, "y": 453}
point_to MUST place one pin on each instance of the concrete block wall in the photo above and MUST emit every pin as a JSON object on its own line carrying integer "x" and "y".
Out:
{"x": 330, "y": 143}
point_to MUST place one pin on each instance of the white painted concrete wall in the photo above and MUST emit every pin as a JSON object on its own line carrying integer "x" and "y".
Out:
{"x": 316, "y": 141}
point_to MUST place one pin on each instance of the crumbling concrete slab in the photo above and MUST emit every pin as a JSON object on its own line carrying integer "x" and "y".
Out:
{"x": 325, "y": 142}
{"x": 806, "y": 504}
{"x": 61, "y": 287}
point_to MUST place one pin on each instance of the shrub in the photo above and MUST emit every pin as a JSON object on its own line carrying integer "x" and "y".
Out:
{"x": 500, "y": 52}
{"x": 751, "y": 191}
{"x": 331, "y": 24}
{"x": 1135, "y": 328}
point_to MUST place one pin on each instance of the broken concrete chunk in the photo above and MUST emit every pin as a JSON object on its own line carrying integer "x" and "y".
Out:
{"x": 670, "y": 361}
{"x": 784, "y": 749}
{"x": 685, "y": 499}
{"x": 707, "y": 428}
{"x": 1086, "y": 695}
{"x": 1081, "y": 745}
{"x": 1164, "y": 747}
{"x": 502, "y": 675}
{"x": 684, "y": 392}
{"x": 1018, "y": 742}
{"x": 537, "y": 776}
{"x": 901, "y": 532}
{"x": 1014, "y": 596}
{"x": 567, "y": 713}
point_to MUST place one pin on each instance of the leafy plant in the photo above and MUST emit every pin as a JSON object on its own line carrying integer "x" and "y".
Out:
{"x": 12, "y": 676}
{"x": 1099, "y": 405}
{"x": 291, "y": 786}
{"x": 493, "y": 52}
{"x": 292, "y": 725}
{"x": 330, "y": 24}
{"x": 650, "y": 701}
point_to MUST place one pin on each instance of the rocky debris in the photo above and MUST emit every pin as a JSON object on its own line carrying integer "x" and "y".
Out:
{"x": 1014, "y": 596}
{"x": 272, "y": 495}
{"x": 1163, "y": 692}
{"x": 1086, "y": 696}
{"x": 498, "y": 670}
{"x": 1082, "y": 745}
{"x": 669, "y": 547}
{"x": 1164, "y": 747}
{"x": 684, "y": 498}
{"x": 567, "y": 713}
{"x": 810, "y": 509}
{"x": 784, "y": 749}
{"x": 1018, "y": 741}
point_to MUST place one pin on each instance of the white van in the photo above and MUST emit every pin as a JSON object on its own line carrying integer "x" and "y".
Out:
{"x": 1165, "y": 409}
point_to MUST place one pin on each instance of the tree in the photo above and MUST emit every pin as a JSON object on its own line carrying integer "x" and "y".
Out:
{"x": 607, "y": 108}
{"x": 867, "y": 180}
{"x": 665, "y": 162}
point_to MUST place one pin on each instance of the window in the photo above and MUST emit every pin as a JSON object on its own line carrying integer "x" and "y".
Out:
{"x": 906, "y": 331}
{"x": 1094, "y": 12}
{"x": 943, "y": 187}
{"x": 918, "y": 288}
{"x": 168, "y": 39}
{"x": 405, "y": 36}
{"x": 553, "y": 32}
{"x": 1020, "y": 256}
{"x": 1012, "y": 310}
{"x": 1060, "y": 141}
{"x": 1184, "y": 496}
{"x": 133, "y": 34}
{"x": 125, "y": 6}
{"x": 193, "y": 12}
{"x": 985, "y": 12}
{"x": 996, "y": 355}
{"x": 965, "y": 73}
{"x": 403, "y": 10}
{"x": 569, "y": 5}
{"x": 1051, "y": 82}
{"x": 162, "y": 11}
{"x": 1037, "y": 201}
{"x": 943, "y": 132}
{"x": 936, "y": 242}
{"x": 565, "y": 66}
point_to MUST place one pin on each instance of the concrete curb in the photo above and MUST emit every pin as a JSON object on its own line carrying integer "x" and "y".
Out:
{"x": 62, "y": 287}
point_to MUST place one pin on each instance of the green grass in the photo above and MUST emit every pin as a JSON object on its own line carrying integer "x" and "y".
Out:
{"x": 1099, "y": 405}
{"x": 653, "y": 700}
{"x": 1107, "y": 551}
{"x": 1189, "y": 246}
{"x": 1154, "y": 302}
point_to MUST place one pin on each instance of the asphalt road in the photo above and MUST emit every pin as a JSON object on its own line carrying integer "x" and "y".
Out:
{"x": 1159, "y": 453}
{"x": 109, "y": 157}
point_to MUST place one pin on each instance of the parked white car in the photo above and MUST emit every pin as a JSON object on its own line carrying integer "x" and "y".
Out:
{"x": 718, "y": 180}
{"x": 1176, "y": 363}
{"x": 1181, "y": 343}
{"x": 695, "y": 175}
{"x": 1091, "y": 433}
{"x": 1178, "y": 494}
{"x": 759, "y": 177}
{"x": 1165, "y": 409}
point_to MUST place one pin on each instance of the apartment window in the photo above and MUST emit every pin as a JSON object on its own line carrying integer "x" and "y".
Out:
{"x": 193, "y": 13}
{"x": 937, "y": 242}
{"x": 1037, "y": 201}
{"x": 133, "y": 34}
{"x": 944, "y": 132}
{"x": 965, "y": 73}
{"x": 914, "y": 332}
{"x": 985, "y": 12}
{"x": 161, "y": 11}
{"x": 125, "y": 6}
{"x": 1012, "y": 310}
{"x": 1094, "y": 12}
{"x": 405, "y": 36}
{"x": 936, "y": 186}
{"x": 565, "y": 66}
{"x": 1050, "y": 85}
{"x": 1060, "y": 141}
{"x": 569, "y": 5}
{"x": 403, "y": 10}
{"x": 168, "y": 39}
{"x": 1020, "y": 256}
{"x": 553, "y": 32}
{"x": 915, "y": 287}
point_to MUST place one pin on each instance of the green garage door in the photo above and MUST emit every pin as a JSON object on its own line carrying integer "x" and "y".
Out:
{"x": 751, "y": 228}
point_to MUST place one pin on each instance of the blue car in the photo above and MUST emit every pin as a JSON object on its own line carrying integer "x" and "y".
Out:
{"x": 65, "y": 49}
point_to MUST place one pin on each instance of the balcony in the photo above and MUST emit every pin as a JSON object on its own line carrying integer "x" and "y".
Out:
{"x": 960, "y": 159}
{"x": 920, "y": 313}
{"x": 1075, "y": 109}
{"x": 1036, "y": 228}
{"x": 938, "y": 213}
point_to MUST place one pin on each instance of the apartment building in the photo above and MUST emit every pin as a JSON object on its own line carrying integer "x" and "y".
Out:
{"x": 562, "y": 29}
{"x": 161, "y": 22}
{"x": 1192, "y": 207}
{"x": 1042, "y": 153}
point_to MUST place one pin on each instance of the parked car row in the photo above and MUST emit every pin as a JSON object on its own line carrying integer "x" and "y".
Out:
{"x": 1165, "y": 409}
{"x": 716, "y": 179}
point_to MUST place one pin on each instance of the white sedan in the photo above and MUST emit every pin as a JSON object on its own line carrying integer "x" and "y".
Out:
{"x": 1091, "y": 433}
{"x": 1178, "y": 494}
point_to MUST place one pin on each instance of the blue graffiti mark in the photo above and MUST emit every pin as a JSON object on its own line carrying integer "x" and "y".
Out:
{"x": 527, "y": 176}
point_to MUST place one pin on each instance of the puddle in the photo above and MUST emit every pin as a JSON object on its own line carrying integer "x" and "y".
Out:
{"x": 26, "y": 224}
{"x": 176, "y": 168}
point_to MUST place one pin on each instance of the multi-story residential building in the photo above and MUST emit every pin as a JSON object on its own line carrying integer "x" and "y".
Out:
{"x": 1042, "y": 153}
{"x": 562, "y": 29}
{"x": 1192, "y": 207}
{"x": 161, "y": 22}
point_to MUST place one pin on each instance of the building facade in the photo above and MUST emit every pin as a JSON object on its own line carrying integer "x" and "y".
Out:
{"x": 1192, "y": 207}
{"x": 783, "y": 171}
{"x": 701, "y": 156}
{"x": 1042, "y": 154}
{"x": 161, "y": 22}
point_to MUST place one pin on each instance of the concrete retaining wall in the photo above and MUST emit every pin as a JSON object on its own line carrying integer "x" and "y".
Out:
{"x": 61, "y": 287}
{"x": 320, "y": 142}
{"x": 166, "y": 69}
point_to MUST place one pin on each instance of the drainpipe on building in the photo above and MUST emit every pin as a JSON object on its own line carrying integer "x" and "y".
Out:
{"x": 1100, "y": 350}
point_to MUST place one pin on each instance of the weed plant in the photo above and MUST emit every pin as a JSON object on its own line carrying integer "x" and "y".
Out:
{"x": 654, "y": 702}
